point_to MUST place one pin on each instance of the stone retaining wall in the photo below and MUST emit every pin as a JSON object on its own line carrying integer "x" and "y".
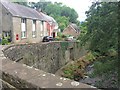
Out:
{"x": 48, "y": 57}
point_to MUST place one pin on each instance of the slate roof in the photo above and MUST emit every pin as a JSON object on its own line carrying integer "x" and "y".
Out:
{"x": 22, "y": 11}
{"x": 75, "y": 27}
{"x": 50, "y": 20}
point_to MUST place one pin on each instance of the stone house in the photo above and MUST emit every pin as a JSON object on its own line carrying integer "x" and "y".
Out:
{"x": 23, "y": 24}
{"x": 72, "y": 30}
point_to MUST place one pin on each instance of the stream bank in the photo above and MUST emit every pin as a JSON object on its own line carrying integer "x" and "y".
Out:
{"x": 84, "y": 71}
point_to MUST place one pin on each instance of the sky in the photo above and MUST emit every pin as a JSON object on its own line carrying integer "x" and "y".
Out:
{"x": 80, "y": 6}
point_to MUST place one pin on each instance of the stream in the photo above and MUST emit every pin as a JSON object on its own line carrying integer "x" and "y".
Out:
{"x": 87, "y": 79}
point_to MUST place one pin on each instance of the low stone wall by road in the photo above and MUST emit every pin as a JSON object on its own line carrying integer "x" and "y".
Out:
{"x": 20, "y": 76}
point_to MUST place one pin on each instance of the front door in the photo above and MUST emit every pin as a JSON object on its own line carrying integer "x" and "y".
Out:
{"x": 53, "y": 34}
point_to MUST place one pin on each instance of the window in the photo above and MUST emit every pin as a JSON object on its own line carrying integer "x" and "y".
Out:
{"x": 6, "y": 34}
{"x": 41, "y": 25}
{"x": 34, "y": 28}
{"x": 23, "y": 27}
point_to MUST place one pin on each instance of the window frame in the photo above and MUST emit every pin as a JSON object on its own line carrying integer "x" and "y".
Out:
{"x": 23, "y": 32}
{"x": 34, "y": 29}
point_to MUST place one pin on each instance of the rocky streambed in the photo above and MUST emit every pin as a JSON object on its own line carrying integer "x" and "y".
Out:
{"x": 83, "y": 71}
{"x": 106, "y": 80}
{"x": 88, "y": 79}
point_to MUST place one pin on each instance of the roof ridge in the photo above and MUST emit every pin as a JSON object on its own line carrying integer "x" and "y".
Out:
{"x": 72, "y": 27}
{"x": 21, "y": 10}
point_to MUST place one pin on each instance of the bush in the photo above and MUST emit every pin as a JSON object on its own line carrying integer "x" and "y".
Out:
{"x": 102, "y": 67}
{"x": 58, "y": 39}
{"x": 4, "y": 42}
{"x": 90, "y": 57}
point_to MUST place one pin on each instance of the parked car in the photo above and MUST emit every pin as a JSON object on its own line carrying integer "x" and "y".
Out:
{"x": 47, "y": 39}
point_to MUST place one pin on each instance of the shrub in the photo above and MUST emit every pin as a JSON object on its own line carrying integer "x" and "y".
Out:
{"x": 4, "y": 42}
{"x": 90, "y": 56}
{"x": 58, "y": 39}
{"x": 101, "y": 68}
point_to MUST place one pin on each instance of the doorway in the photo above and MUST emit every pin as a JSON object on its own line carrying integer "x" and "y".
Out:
{"x": 53, "y": 34}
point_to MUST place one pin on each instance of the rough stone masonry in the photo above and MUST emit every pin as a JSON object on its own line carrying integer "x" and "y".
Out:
{"x": 18, "y": 75}
{"x": 48, "y": 57}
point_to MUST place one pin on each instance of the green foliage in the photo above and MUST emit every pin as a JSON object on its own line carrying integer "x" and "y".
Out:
{"x": 102, "y": 33}
{"x": 5, "y": 41}
{"x": 59, "y": 34}
{"x": 64, "y": 45}
{"x": 83, "y": 31}
{"x": 69, "y": 71}
{"x": 101, "y": 37}
{"x": 60, "y": 37}
{"x": 90, "y": 56}
{"x": 22, "y": 2}
{"x": 107, "y": 65}
{"x": 53, "y": 9}
{"x": 62, "y": 21}
{"x": 40, "y": 5}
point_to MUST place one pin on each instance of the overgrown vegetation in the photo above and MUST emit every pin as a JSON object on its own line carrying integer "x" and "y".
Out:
{"x": 60, "y": 37}
{"x": 102, "y": 39}
{"x": 76, "y": 70}
{"x": 100, "y": 36}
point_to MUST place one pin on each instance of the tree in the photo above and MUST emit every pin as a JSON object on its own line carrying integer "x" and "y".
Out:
{"x": 62, "y": 14}
{"x": 69, "y": 12}
{"x": 83, "y": 30}
{"x": 62, "y": 22}
{"x": 22, "y": 2}
{"x": 40, "y": 5}
{"x": 102, "y": 27}
{"x": 102, "y": 39}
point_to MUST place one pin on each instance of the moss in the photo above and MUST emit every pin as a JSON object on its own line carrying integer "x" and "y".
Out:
{"x": 90, "y": 57}
{"x": 64, "y": 45}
